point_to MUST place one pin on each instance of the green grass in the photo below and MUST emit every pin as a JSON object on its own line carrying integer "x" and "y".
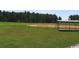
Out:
{"x": 75, "y": 24}
{"x": 19, "y": 35}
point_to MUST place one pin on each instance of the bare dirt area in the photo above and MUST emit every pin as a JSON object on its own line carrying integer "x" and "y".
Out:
{"x": 44, "y": 25}
{"x": 54, "y": 26}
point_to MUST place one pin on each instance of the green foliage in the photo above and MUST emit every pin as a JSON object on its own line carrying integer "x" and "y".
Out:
{"x": 59, "y": 18}
{"x": 27, "y": 17}
{"x": 74, "y": 17}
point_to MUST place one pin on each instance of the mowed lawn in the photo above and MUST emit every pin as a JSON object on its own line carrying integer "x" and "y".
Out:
{"x": 20, "y": 35}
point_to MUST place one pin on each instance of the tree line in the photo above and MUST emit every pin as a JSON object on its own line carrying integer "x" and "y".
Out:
{"x": 28, "y": 17}
{"x": 31, "y": 17}
{"x": 74, "y": 17}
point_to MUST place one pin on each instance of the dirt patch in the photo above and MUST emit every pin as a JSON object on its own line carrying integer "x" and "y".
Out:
{"x": 54, "y": 26}
{"x": 44, "y": 25}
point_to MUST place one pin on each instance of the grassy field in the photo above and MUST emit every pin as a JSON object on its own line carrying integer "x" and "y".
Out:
{"x": 76, "y": 24}
{"x": 19, "y": 35}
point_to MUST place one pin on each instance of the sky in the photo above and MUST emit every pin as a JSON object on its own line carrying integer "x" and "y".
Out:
{"x": 39, "y": 4}
{"x": 62, "y": 8}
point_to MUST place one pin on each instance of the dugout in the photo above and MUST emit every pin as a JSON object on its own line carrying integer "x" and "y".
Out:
{"x": 70, "y": 25}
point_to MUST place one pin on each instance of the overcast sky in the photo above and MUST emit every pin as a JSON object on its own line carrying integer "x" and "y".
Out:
{"x": 59, "y": 7}
{"x": 39, "y": 4}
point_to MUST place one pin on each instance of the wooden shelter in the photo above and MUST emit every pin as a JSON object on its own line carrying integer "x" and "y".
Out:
{"x": 70, "y": 25}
